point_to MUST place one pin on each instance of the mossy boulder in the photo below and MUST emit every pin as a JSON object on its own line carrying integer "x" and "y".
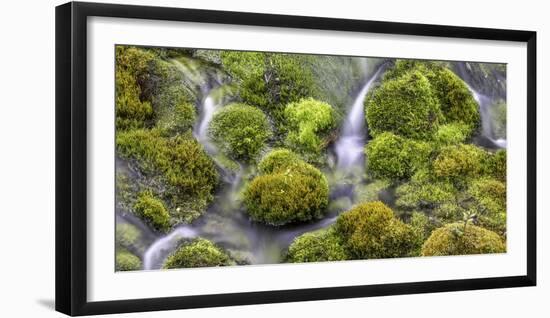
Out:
{"x": 455, "y": 239}
{"x": 490, "y": 203}
{"x": 296, "y": 193}
{"x": 370, "y": 230}
{"x": 405, "y": 106}
{"x": 278, "y": 159}
{"x": 415, "y": 195}
{"x": 127, "y": 236}
{"x": 309, "y": 121}
{"x": 456, "y": 102}
{"x": 460, "y": 161}
{"x": 391, "y": 156}
{"x": 318, "y": 246}
{"x": 197, "y": 253}
{"x": 496, "y": 165}
{"x": 181, "y": 163}
{"x": 126, "y": 261}
{"x": 451, "y": 134}
{"x": 240, "y": 131}
{"x": 153, "y": 211}
{"x": 131, "y": 68}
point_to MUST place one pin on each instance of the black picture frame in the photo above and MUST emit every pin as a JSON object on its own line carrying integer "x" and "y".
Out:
{"x": 71, "y": 157}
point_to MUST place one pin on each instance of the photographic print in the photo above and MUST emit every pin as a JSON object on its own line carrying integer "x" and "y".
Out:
{"x": 228, "y": 158}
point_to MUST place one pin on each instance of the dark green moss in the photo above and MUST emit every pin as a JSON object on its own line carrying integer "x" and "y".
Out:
{"x": 405, "y": 106}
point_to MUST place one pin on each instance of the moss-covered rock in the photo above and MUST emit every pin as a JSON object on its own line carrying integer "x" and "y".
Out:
{"x": 416, "y": 195}
{"x": 153, "y": 211}
{"x": 181, "y": 162}
{"x": 127, "y": 236}
{"x": 370, "y": 192}
{"x": 240, "y": 131}
{"x": 296, "y": 193}
{"x": 278, "y": 159}
{"x": 456, "y": 102}
{"x": 451, "y": 134}
{"x": 490, "y": 199}
{"x": 370, "y": 230}
{"x": 309, "y": 122}
{"x": 496, "y": 165}
{"x": 131, "y": 69}
{"x": 318, "y": 246}
{"x": 126, "y": 261}
{"x": 460, "y": 161}
{"x": 455, "y": 239}
{"x": 197, "y": 253}
{"x": 391, "y": 156}
{"x": 405, "y": 106}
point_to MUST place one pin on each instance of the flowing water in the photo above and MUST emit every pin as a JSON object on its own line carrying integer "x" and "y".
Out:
{"x": 226, "y": 223}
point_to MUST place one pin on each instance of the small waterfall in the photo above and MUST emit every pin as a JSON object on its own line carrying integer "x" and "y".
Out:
{"x": 485, "y": 103}
{"x": 350, "y": 146}
{"x": 157, "y": 252}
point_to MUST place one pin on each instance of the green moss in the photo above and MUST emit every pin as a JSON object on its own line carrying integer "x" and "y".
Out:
{"x": 393, "y": 157}
{"x": 197, "y": 253}
{"x": 496, "y": 165}
{"x": 455, "y": 100}
{"x": 422, "y": 224}
{"x": 278, "y": 159}
{"x": 240, "y": 131}
{"x": 451, "y": 134}
{"x": 370, "y": 230}
{"x": 454, "y": 239}
{"x": 309, "y": 122}
{"x": 180, "y": 162}
{"x": 404, "y": 106}
{"x": 460, "y": 161}
{"x": 153, "y": 211}
{"x": 294, "y": 194}
{"x": 271, "y": 80}
{"x": 424, "y": 195}
{"x": 126, "y": 261}
{"x": 318, "y": 246}
{"x": 175, "y": 114}
{"x": 127, "y": 236}
{"x": 490, "y": 199}
{"x": 131, "y": 69}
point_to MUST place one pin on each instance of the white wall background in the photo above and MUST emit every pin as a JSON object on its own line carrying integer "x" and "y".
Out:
{"x": 27, "y": 158}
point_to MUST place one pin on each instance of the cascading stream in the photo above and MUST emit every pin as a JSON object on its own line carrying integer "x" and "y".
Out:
{"x": 350, "y": 147}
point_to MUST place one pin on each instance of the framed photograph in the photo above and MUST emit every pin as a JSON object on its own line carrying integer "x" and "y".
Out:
{"x": 208, "y": 158}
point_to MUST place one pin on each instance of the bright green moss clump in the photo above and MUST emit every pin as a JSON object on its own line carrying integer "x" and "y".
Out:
{"x": 198, "y": 253}
{"x": 319, "y": 246}
{"x": 126, "y": 261}
{"x": 393, "y": 157}
{"x": 460, "y": 161}
{"x": 180, "y": 161}
{"x": 405, "y": 106}
{"x": 451, "y": 134}
{"x": 295, "y": 193}
{"x": 309, "y": 121}
{"x": 153, "y": 211}
{"x": 455, "y": 239}
{"x": 240, "y": 131}
{"x": 496, "y": 165}
{"x": 370, "y": 230}
{"x": 424, "y": 195}
{"x": 277, "y": 159}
